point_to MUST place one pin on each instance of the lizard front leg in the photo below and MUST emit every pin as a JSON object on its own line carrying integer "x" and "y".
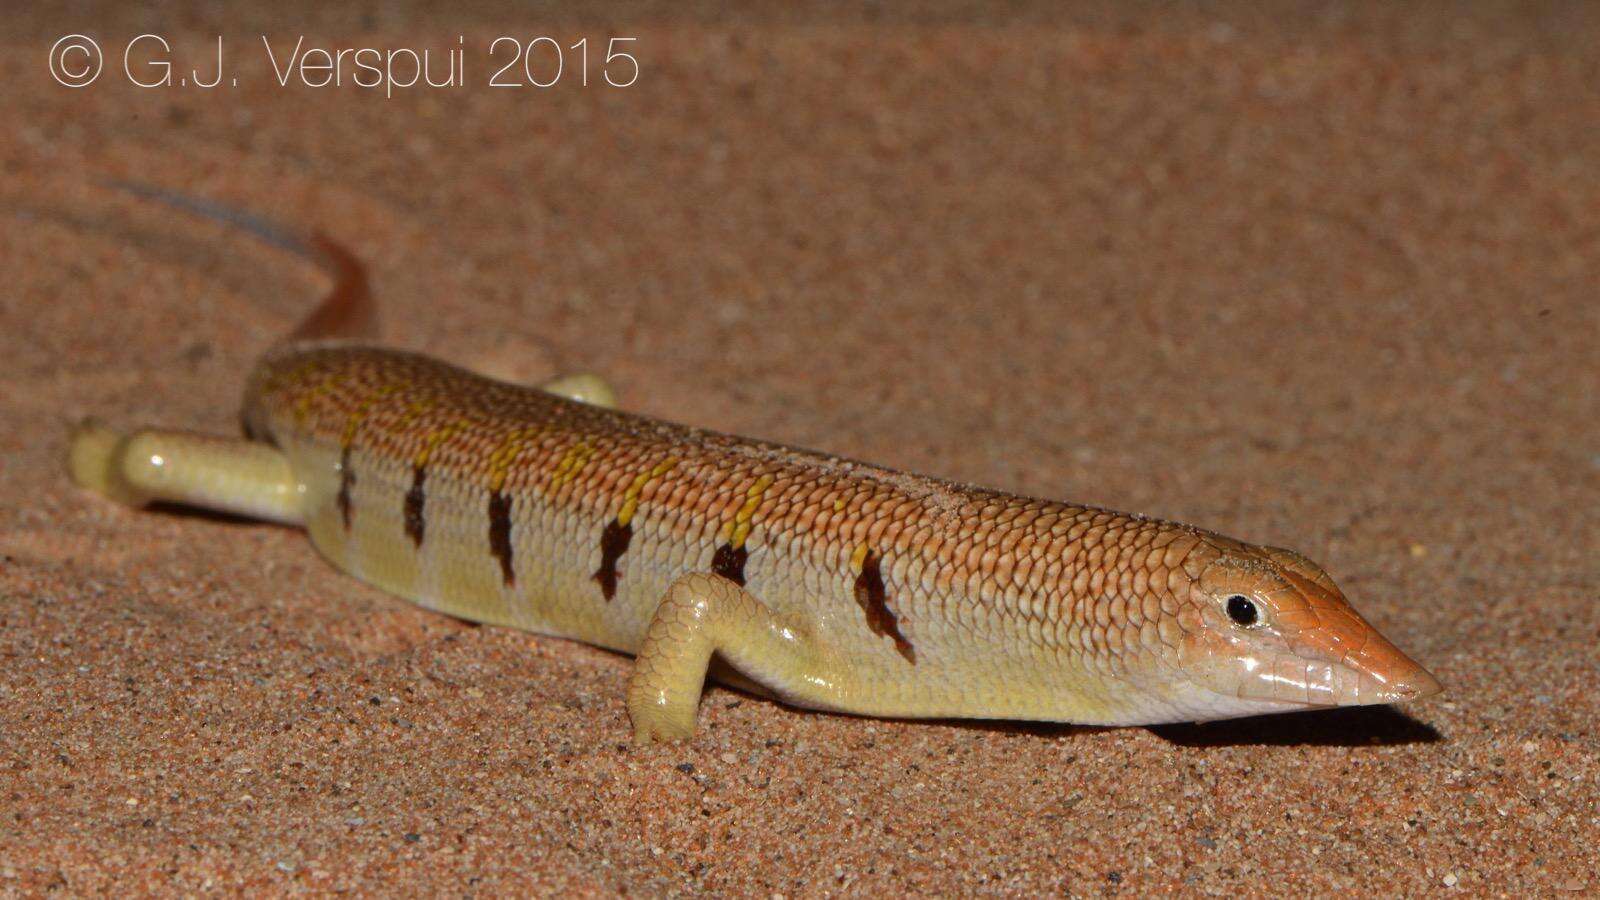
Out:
{"x": 585, "y": 387}
{"x": 701, "y": 615}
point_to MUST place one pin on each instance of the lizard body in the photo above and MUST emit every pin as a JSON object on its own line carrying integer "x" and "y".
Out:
{"x": 825, "y": 582}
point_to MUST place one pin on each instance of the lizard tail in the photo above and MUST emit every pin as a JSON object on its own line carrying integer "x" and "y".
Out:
{"x": 347, "y": 312}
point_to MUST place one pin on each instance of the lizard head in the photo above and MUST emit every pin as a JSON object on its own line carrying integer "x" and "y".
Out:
{"x": 1266, "y": 630}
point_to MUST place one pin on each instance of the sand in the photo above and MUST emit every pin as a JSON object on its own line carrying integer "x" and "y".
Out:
{"x": 1325, "y": 279}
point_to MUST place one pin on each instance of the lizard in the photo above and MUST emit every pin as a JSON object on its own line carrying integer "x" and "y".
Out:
{"x": 820, "y": 581}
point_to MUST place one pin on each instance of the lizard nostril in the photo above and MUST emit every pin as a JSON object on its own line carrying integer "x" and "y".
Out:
{"x": 1413, "y": 685}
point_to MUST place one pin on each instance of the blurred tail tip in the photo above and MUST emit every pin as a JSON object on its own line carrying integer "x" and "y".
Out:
{"x": 348, "y": 312}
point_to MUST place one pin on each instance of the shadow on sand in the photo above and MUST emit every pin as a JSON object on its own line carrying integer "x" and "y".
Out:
{"x": 1351, "y": 726}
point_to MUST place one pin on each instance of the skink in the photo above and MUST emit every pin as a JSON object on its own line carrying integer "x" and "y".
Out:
{"x": 821, "y": 581}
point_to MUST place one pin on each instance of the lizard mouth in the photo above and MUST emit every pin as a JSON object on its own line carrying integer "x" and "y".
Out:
{"x": 1355, "y": 681}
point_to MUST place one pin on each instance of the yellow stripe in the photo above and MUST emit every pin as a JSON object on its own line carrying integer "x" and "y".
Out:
{"x": 630, "y": 497}
{"x": 570, "y": 464}
{"x": 353, "y": 424}
{"x": 741, "y": 519}
{"x": 436, "y": 437}
{"x": 323, "y": 388}
{"x": 504, "y": 455}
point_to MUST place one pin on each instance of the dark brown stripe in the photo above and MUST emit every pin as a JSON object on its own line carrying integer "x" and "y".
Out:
{"x": 500, "y": 534}
{"x": 347, "y": 481}
{"x": 613, "y": 543}
{"x": 414, "y": 501}
{"x": 729, "y": 563}
{"x": 874, "y": 601}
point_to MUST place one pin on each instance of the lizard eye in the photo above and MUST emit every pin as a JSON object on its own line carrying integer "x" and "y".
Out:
{"x": 1242, "y": 611}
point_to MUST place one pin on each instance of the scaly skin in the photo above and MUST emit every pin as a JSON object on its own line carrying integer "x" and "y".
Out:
{"x": 828, "y": 583}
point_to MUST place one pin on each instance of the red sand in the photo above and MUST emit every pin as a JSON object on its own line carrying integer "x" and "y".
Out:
{"x": 1328, "y": 284}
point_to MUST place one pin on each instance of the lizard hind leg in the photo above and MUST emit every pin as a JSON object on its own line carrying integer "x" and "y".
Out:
{"x": 229, "y": 475}
{"x": 701, "y": 615}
